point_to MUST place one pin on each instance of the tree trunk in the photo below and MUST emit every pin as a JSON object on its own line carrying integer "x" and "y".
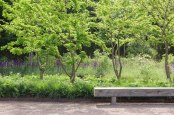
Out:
{"x": 120, "y": 67}
{"x": 167, "y": 68}
{"x": 73, "y": 71}
{"x": 124, "y": 50}
{"x": 73, "y": 74}
{"x": 117, "y": 65}
{"x": 114, "y": 62}
{"x": 42, "y": 70}
{"x": 119, "y": 61}
{"x": 23, "y": 72}
{"x": 31, "y": 59}
{"x": 73, "y": 77}
{"x": 41, "y": 67}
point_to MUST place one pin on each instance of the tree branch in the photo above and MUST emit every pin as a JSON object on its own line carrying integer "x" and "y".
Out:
{"x": 63, "y": 67}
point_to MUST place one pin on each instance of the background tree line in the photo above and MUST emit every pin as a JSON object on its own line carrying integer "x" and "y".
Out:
{"x": 137, "y": 46}
{"x": 77, "y": 28}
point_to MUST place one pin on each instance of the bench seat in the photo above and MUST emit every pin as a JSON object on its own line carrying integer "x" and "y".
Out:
{"x": 114, "y": 92}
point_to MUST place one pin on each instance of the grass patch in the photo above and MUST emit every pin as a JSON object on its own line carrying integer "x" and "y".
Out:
{"x": 60, "y": 87}
{"x": 137, "y": 72}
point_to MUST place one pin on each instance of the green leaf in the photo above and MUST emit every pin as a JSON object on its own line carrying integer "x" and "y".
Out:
{"x": 16, "y": 51}
{"x": 82, "y": 54}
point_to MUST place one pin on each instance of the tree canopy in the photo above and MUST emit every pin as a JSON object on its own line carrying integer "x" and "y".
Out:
{"x": 43, "y": 27}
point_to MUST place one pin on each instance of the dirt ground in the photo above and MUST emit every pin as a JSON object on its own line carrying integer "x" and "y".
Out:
{"x": 84, "y": 108}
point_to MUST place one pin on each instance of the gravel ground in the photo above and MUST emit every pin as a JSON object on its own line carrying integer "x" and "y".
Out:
{"x": 84, "y": 108}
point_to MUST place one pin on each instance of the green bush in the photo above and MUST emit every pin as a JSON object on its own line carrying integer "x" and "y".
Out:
{"x": 60, "y": 87}
{"x": 141, "y": 47}
{"x": 137, "y": 72}
{"x": 51, "y": 87}
{"x": 103, "y": 63}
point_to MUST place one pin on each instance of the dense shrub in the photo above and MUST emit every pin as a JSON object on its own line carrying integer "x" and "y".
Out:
{"x": 139, "y": 71}
{"x": 51, "y": 87}
{"x": 141, "y": 47}
{"x": 60, "y": 87}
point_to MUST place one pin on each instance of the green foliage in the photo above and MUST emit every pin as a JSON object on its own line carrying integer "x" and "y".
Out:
{"x": 103, "y": 62}
{"x": 140, "y": 71}
{"x": 51, "y": 87}
{"x": 3, "y": 59}
{"x": 120, "y": 19}
{"x": 160, "y": 14}
{"x": 36, "y": 34}
{"x": 118, "y": 25}
{"x": 140, "y": 47}
{"x": 42, "y": 27}
{"x": 171, "y": 59}
{"x": 162, "y": 20}
{"x": 53, "y": 24}
{"x": 59, "y": 86}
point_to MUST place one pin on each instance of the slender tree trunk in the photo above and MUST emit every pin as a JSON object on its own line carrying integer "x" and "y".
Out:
{"x": 117, "y": 65}
{"x": 31, "y": 59}
{"x": 74, "y": 68}
{"x": 116, "y": 60}
{"x": 23, "y": 72}
{"x": 73, "y": 72}
{"x": 120, "y": 67}
{"x": 41, "y": 67}
{"x": 73, "y": 75}
{"x": 119, "y": 61}
{"x": 124, "y": 49}
{"x": 167, "y": 68}
{"x": 42, "y": 70}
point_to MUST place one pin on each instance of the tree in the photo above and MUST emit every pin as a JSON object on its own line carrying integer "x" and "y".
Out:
{"x": 53, "y": 24}
{"x": 161, "y": 13}
{"x": 75, "y": 34}
{"x": 117, "y": 21}
{"x": 4, "y": 36}
{"x": 31, "y": 21}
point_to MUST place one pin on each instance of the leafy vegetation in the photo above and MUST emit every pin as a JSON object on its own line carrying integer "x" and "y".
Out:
{"x": 148, "y": 74}
{"x": 97, "y": 72}
{"x": 161, "y": 14}
{"x": 87, "y": 42}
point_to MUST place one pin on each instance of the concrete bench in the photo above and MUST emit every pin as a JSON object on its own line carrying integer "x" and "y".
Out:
{"x": 114, "y": 92}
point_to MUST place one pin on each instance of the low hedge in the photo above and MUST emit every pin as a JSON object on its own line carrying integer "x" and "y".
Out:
{"x": 51, "y": 87}
{"x": 60, "y": 87}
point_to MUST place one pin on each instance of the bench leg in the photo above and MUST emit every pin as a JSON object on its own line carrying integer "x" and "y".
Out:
{"x": 113, "y": 100}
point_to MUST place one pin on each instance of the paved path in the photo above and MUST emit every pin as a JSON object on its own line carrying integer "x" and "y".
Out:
{"x": 83, "y": 108}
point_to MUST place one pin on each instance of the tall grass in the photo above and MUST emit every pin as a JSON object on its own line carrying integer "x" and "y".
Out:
{"x": 58, "y": 86}
{"x": 137, "y": 71}
{"x": 143, "y": 68}
{"x": 97, "y": 72}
